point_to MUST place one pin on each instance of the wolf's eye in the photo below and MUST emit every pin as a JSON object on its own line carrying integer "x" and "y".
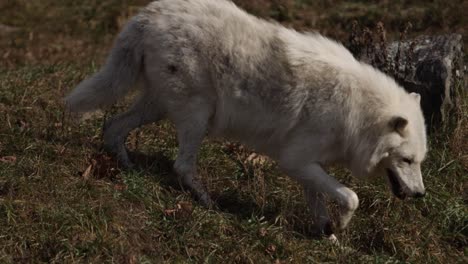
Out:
{"x": 408, "y": 161}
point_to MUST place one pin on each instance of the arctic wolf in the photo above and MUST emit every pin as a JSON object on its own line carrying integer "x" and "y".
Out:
{"x": 300, "y": 98}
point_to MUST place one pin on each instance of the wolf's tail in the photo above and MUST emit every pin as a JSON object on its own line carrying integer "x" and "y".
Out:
{"x": 116, "y": 77}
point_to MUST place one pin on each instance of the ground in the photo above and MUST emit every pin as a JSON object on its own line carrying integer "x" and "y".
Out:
{"x": 63, "y": 200}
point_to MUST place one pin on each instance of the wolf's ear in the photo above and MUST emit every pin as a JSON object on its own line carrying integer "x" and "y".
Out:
{"x": 416, "y": 97}
{"x": 398, "y": 124}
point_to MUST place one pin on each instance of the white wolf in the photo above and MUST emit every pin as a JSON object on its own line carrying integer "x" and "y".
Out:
{"x": 301, "y": 99}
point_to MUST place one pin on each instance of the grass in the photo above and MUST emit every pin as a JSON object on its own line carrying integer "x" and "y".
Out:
{"x": 53, "y": 209}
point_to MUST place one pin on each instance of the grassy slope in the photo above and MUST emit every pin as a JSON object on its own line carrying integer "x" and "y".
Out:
{"x": 51, "y": 209}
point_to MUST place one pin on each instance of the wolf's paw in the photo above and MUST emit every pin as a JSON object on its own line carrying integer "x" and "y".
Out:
{"x": 207, "y": 202}
{"x": 197, "y": 190}
{"x": 203, "y": 197}
{"x": 121, "y": 154}
{"x": 332, "y": 239}
{"x": 128, "y": 165}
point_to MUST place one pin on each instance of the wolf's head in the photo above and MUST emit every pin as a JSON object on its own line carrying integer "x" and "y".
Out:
{"x": 402, "y": 149}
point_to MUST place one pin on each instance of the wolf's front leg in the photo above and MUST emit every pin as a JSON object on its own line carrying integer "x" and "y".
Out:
{"x": 319, "y": 186}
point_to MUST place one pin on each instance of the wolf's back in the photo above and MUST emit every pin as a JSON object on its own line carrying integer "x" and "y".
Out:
{"x": 116, "y": 77}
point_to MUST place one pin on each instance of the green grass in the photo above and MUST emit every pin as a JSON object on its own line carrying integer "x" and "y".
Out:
{"x": 52, "y": 210}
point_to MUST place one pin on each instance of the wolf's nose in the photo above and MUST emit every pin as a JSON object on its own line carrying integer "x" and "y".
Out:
{"x": 419, "y": 194}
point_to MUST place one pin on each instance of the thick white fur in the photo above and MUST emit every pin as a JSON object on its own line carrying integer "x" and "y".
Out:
{"x": 300, "y": 98}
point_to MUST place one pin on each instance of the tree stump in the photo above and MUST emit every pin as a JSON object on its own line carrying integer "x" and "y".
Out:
{"x": 432, "y": 66}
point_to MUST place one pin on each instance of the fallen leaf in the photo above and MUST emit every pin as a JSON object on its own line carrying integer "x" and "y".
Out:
{"x": 88, "y": 171}
{"x": 182, "y": 209}
{"x": 132, "y": 259}
{"x": 257, "y": 160}
{"x": 186, "y": 206}
{"x": 271, "y": 249}
{"x": 185, "y": 209}
{"x": 120, "y": 187}
{"x": 8, "y": 159}
{"x": 60, "y": 149}
{"x": 22, "y": 125}
{"x": 170, "y": 212}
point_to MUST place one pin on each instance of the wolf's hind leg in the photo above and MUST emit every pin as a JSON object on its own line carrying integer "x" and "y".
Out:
{"x": 116, "y": 130}
{"x": 191, "y": 124}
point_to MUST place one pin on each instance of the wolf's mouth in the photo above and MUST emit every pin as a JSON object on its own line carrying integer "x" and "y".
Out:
{"x": 395, "y": 184}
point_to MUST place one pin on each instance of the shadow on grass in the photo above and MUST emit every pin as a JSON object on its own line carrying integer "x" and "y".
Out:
{"x": 158, "y": 165}
{"x": 231, "y": 201}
